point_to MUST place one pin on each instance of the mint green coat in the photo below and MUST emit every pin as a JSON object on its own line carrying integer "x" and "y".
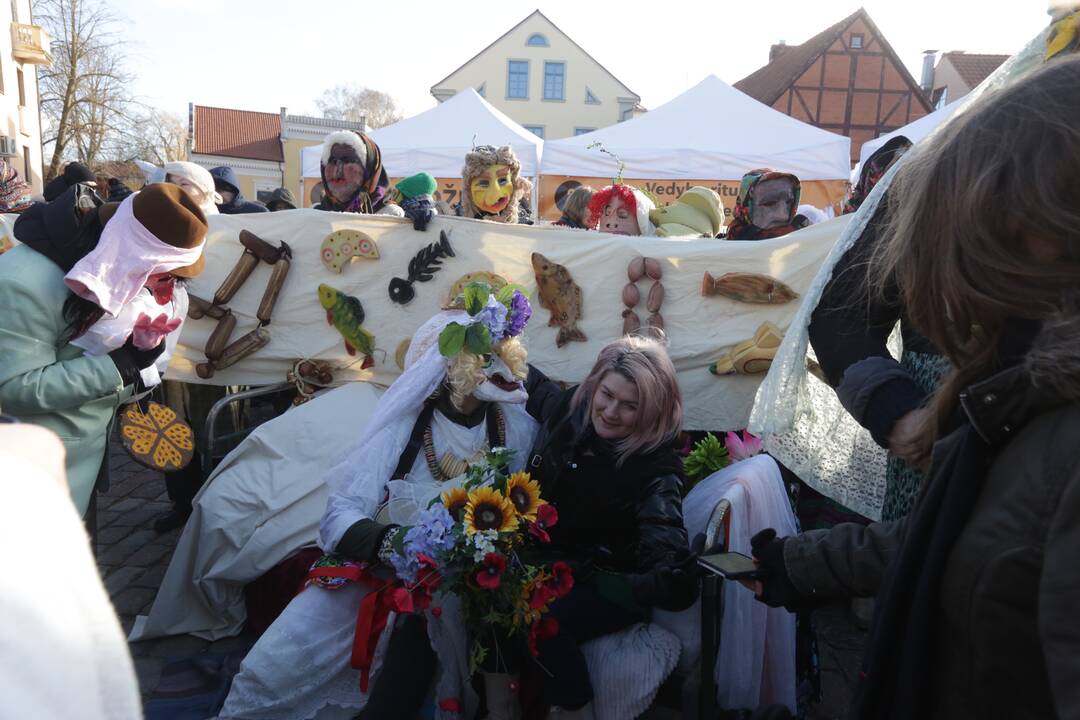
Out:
{"x": 46, "y": 381}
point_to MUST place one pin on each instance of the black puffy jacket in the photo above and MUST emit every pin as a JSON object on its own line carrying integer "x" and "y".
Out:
{"x": 633, "y": 511}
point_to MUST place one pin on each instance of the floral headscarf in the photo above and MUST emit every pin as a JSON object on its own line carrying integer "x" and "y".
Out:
{"x": 741, "y": 227}
{"x": 372, "y": 193}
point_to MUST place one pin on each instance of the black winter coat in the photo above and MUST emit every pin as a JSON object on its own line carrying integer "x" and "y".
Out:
{"x": 634, "y": 511}
{"x": 849, "y": 330}
{"x": 978, "y": 588}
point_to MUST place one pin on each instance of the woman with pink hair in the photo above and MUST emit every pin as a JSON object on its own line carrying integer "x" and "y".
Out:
{"x": 604, "y": 459}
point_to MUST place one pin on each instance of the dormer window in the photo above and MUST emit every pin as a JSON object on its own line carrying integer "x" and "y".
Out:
{"x": 537, "y": 40}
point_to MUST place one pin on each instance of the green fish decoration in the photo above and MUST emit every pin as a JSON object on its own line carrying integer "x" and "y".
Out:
{"x": 346, "y": 314}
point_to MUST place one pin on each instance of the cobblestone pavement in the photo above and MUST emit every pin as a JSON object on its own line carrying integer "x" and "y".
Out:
{"x": 132, "y": 559}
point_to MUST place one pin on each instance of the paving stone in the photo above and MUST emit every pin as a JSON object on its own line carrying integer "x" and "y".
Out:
{"x": 113, "y": 534}
{"x": 122, "y": 578}
{"x": 144, "y": 516}
{"x": 152, "y": 577}
{"x": 119, "y": 552}
{"x": 148, "y": 555}
{"x": 126, "y": 505}
{"x": 133, "y": 601}
{"x": 144, "y": 490}
{"x": 105, "y": 518}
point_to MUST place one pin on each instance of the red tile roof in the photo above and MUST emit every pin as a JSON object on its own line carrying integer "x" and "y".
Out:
{"x": 237, "y": 133}
{"x": 769, "y": 82}
{"x": 973, "y": 68}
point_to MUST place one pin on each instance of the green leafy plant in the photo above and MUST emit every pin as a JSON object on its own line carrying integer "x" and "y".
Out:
{"x": 708, "y": 456}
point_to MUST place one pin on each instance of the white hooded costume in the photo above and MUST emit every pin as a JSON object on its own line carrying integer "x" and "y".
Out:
{"x": 300, "y": 668}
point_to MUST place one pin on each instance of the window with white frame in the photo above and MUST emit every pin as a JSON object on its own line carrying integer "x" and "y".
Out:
{"x": 582, "y": 131}
{"x": 537, "y": 130}
{"x": 537, "y": 40}
{"x": 554, "y": 81}
{"x": 517, "y": 79}
{"x": 591, "y": 99}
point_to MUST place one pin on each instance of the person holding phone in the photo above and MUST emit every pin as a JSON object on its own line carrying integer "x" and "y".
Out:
{"x": 604, "y": 458}
{"x": 978, "y": 588}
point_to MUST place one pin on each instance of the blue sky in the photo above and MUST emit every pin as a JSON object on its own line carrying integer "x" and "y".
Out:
{"x": 266, "y": 54}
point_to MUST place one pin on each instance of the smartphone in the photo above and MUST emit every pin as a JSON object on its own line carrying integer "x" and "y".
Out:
{"x": 732, "y": 566}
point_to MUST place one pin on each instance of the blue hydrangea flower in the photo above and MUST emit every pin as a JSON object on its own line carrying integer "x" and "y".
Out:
{"x": 493, "y": 316}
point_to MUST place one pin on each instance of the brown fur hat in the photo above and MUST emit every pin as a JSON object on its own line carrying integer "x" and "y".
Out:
{"x": 479, "y": 160}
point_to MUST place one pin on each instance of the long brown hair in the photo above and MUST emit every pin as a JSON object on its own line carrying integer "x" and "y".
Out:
{"x": 966, "y": 209}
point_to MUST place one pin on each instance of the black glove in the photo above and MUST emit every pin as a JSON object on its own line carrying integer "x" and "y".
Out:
{"x": 671, "y": 586}
{"x": 130, "y": 360}
{"x": 420, "y": 210}
{"x": 363, "y": 539}
{"x": 777, "y": 590}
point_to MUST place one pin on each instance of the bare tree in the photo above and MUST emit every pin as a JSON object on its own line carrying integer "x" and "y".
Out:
{"x": 351, "y": 102}
{"x": 85, "y": 99}
{"x": 156, "y": 136}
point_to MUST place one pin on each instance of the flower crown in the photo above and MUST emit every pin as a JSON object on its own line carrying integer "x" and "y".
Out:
{"x": 494, "y": 317}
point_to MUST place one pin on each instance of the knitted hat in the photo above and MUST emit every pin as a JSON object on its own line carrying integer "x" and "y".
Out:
{"x": 282, "y": 196}
{"x": 416, "y": 185}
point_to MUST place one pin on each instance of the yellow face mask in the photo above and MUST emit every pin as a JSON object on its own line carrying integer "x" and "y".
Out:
{"x": 492, "y": 189}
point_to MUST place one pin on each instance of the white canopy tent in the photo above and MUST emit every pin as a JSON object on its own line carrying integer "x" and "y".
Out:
{"x": 913, "y": 131}
{"x": 711, "y": 131}
{"x": 436, "y": 140}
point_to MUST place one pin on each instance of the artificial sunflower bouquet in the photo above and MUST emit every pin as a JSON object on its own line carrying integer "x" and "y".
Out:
{"x": 474, "y": 542}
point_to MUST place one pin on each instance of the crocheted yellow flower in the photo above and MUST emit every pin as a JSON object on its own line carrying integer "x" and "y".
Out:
{"x": 524, "y": 494}
{"x": 488, "y": 509}
{"x": 455, "y": 500}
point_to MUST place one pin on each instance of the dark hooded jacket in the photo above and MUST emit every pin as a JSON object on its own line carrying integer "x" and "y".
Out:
{"x": 633, "y": 512}
{"x": 281, "y": 196}
{"x": 225, "y": 178}
{"x": 73, "y": 174}
{"x": 979, "y": 586}
{"x": 117, "y": 190}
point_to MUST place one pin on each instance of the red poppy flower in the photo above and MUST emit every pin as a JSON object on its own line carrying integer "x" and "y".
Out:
{"x": 450, "y": 705}
{"x": 541, "y": 596}
{"x": 562, "y": 579}
{"x": 542, "y": 629}
{"x": 546, "y": 517}
{"x": 429, "y": 575}
{"x": 161, "y": 285}
{"x": 401, "y": 600}
{"x": 490, "y": 575}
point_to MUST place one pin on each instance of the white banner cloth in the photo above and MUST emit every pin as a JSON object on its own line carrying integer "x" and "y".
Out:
{"x": 700, "y": 329}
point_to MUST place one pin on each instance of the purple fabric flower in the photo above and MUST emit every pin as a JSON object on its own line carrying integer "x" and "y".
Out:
{"x": 493, "y": 316}
{"x": 520, "y": 312}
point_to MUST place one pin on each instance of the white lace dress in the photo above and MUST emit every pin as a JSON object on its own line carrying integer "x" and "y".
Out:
{"x": 300, "y": 668}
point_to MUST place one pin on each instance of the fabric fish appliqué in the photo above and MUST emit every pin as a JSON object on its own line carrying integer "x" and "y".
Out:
{"x": 561, "y": 296}
{"x": 346, "y": 314}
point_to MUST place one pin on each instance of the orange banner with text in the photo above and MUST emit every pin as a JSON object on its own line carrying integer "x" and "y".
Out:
{"x": 555, "y": 188}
